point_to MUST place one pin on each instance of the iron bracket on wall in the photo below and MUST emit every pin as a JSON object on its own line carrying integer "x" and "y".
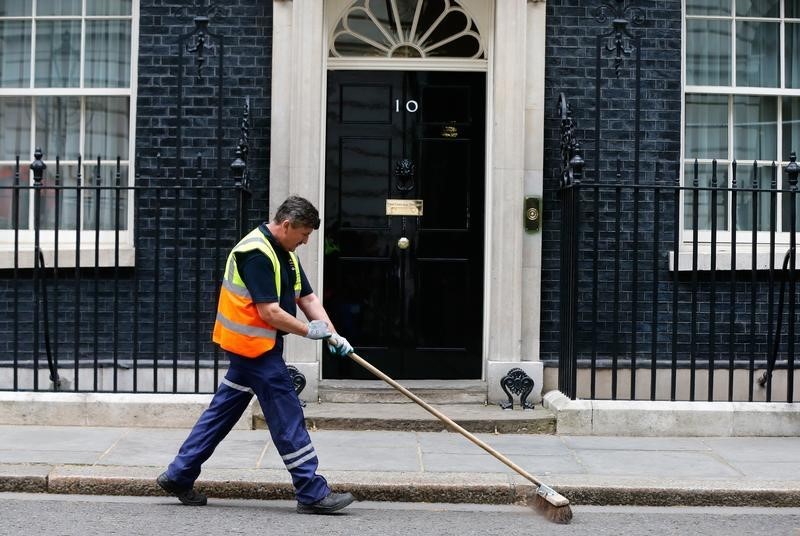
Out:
{"x": 621, "y": 15}
{"x": 203, "y": 39}
{"x": 519, "y": 383}
{"x": 201, "y": 44}
{"x": 199, "y": 47}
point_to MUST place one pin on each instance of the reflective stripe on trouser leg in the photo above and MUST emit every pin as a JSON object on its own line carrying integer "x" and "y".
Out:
{"x": 226, "y": 408}
{"x": 272, "y": 384}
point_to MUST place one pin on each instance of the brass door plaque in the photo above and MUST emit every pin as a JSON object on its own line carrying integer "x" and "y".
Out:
{"x": 404, "y": 207}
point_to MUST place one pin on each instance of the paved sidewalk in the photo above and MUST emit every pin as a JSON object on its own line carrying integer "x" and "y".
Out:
{"x": 417, "y": 466}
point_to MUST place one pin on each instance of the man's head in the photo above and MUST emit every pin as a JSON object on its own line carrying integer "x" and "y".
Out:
{"x": 294, "y": 221}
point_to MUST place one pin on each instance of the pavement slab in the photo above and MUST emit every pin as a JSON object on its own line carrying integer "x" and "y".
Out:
{"x": 60, "y": 438}
{"x": 393, "y": 465}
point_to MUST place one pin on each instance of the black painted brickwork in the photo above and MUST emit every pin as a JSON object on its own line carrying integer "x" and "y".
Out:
{"x": 571, "y": 68}
{"x": 245, "y": 27}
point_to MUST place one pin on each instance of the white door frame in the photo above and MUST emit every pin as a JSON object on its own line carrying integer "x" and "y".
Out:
{"x": 514, "y": 34}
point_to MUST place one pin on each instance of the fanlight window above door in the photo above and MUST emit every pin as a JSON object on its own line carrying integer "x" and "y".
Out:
{"x": 406, "y": 29}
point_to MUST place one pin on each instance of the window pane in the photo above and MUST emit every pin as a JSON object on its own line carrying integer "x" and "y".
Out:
{"x": 15, "y": 135}
{"x": 791, "y": 127}
{"x": 708, "y": 7}
{"x": 363, "y": 32}
{"x": 792, "y": 9}
{"x": 108, "y": 7}
{"x": 7, "y": 193}
{"x": 757, "y": 58}
{"x": 463, "y": 47}
{"x": 108, "y": 53}
{"x": 758, "y": 8}
{"x": 439, "y": 41}
{"x": 755, "y": 128}
{"x": 15, "y": 53}
{"x": 705, "y": 197}
{"x": 748, "y": 177}
{"x": 58, "y": 7}
{"x": 107, "y": 127}
{"x": 58, "y": 53}
{"x": 64, "y": 198}
{"x": 706, "y": 126}
{"x": 15, "y": 8}
{"x": 348, "y": 45}
{"x": 108, "y": 198}
{"x": 58, "y": 124}
{"x": 708, "y": 52}
{"x": 792, "y": 56}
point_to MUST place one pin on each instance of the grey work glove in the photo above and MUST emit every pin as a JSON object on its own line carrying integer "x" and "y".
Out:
{"x": 318, "y": 329}
{"x": 338, "y": 345}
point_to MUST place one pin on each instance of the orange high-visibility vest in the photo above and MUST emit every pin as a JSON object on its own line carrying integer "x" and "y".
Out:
{"x": 239, "y": 328}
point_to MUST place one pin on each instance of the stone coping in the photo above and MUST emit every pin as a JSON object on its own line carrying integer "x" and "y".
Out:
{"x": 149, "y": 410}
{"x": 644, "y": 418}
{"x": 572, "y": 417}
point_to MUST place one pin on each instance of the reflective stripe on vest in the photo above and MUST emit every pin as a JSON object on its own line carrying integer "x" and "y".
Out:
{"x": 238, "y": 327}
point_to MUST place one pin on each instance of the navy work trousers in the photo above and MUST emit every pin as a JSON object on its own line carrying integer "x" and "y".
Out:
{"x": 268, "y": 379}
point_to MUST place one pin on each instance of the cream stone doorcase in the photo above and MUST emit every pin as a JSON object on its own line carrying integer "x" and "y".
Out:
{"x": 506, "y": 41}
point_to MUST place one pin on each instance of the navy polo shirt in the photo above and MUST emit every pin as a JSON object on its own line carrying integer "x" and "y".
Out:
{"x": 256, "y": 271}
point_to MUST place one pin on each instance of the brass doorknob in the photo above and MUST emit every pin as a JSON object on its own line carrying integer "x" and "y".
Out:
{"x": 403, "y": 243}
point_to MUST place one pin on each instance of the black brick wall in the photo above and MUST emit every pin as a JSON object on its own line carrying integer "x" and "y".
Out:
{"x": 245, "y": 27}
{"x": 573, "y": 34}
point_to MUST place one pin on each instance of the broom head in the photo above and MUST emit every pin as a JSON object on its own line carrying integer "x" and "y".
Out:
{"x": 552, "y": 505}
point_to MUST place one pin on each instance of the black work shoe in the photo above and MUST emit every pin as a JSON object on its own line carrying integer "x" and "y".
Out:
{"x": 189, "y": 497}
{"x": 333, "y": 502}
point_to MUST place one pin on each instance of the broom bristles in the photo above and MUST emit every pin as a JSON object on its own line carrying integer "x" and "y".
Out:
{"x": 557, "y": 514}
{"x": 552, "y": 505}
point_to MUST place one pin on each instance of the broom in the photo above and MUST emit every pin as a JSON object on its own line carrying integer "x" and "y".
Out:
{"x": 547, "y": 501}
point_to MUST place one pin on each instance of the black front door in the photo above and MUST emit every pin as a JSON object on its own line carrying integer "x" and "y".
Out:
{"x": 406, "y": 290}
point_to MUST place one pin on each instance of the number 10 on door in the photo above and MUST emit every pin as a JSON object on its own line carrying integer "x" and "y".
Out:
{"x": 411, "y": 106}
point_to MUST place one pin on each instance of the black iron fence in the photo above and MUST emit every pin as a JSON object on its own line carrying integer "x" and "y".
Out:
{"x": 679, "y": 291}
{"x": 110, "y": 284}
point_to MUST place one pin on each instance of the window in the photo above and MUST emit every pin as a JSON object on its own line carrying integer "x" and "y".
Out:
{"x": 67, "y": 86}
{"x": 741, "y": 102}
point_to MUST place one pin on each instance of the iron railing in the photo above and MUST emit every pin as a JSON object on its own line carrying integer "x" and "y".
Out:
{"x": 668, "y": 291}
{"x": 127, "y": 298}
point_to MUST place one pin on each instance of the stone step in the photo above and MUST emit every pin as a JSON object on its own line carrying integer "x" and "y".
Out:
{"x": 476, "y": 418}
{"x": 376, "y": 391}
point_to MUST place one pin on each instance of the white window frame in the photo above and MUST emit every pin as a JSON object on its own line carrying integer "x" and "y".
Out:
{"x": 743, "y": 237}
{"x": 110, "y": 254}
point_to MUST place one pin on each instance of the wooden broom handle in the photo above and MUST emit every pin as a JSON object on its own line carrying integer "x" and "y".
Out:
{"x": 442, "y": 417}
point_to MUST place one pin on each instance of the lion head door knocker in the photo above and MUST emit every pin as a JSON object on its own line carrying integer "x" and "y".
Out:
{"x": 404, "y": 172}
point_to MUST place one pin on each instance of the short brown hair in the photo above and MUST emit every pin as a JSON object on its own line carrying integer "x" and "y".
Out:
{"x": 299, "y": 211}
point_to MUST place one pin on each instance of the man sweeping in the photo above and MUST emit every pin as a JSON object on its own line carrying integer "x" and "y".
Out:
{"x": 262, "y": 287}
